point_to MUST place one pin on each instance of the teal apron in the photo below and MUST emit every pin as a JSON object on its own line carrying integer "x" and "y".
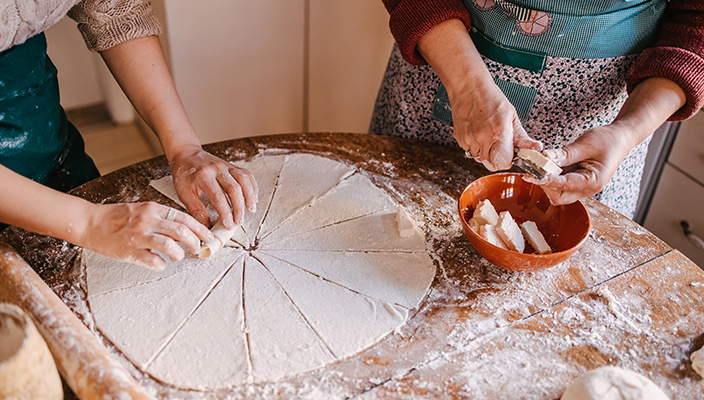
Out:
{"x": 524, "y": 36}
{"x": 36, "y": 139}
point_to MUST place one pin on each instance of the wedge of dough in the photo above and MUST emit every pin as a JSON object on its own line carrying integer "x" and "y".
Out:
{"x": 352, "y": 198}
{"x": 213, "y": 363}
{"x": 280, "y": 339}
{"x": 299, "y": 184}
{"x": 266, "y": 170}
{"x": 161, "y": 306}
{"x": 106, "y": 274}
{"x": 344, "y": 320}
{"x": 377, "y": 231}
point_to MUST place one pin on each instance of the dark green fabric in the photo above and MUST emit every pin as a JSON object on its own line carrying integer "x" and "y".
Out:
{"x": 532, "y": 61}
{"x": 36, "y": 139}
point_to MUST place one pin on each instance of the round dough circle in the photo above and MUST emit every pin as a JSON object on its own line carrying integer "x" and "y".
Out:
{"x": 317, "y": 274}
{"x": 613, "y": 383}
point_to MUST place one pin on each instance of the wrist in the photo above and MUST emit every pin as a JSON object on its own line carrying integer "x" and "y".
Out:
{"x": 81, "y": 229}
{"x": 179, "y": 151}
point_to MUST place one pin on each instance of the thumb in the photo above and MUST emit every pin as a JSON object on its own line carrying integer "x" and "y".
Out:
{"x": 522, "y": 140}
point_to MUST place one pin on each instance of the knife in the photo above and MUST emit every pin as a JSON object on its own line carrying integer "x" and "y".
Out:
{"x": 532, "y": 162}
{"x": 536, "y": 164}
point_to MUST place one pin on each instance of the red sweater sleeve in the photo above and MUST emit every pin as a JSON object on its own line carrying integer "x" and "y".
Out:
{"x": 411, "y": 19}
{"x": 677, "y": 54}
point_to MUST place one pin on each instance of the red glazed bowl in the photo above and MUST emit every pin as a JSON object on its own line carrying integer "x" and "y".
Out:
{"x": 565, "y": 228}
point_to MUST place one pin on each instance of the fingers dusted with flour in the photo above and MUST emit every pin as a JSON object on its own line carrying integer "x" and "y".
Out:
{"x": 232, "y": 190}
{"x": 132, "y": 232}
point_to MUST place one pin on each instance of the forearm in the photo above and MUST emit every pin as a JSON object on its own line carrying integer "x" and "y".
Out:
{"x": 410, "y": 20}
{"x": 450, "y": 51}
{"x": 37, "y": 208}
{"x": 141, "y": 70}
{"x": 649, "y": 105}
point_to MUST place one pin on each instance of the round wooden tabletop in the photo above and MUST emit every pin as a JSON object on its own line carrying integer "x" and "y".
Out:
{"x": 625, "y": 298}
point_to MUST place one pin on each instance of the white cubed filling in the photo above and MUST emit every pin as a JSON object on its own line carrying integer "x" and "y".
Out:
{"x": 406, "y": 224}
{"x": 535, "y": 238}
{"x": 489, "y": 234}
{"x": 485, "y": 213}
{"x": 510, "y": 233}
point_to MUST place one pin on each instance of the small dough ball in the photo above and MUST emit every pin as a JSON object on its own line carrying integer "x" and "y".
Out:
{"x": 613, "y": 383}
{"x": 697, "y": 359}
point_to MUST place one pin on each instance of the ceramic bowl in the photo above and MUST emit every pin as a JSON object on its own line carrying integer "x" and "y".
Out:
{"x": 565, "y": 228}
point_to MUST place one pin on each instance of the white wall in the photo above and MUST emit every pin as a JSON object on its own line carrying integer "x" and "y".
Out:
{"x": 350, "y": 45}
{"x": 239, "y": 65}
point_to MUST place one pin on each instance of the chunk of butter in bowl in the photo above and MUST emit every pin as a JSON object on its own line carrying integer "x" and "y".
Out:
{"x": 564, "y": 228}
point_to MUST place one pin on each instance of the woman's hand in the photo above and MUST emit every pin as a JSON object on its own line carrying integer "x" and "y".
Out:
{"x": 588, "y": 164}
{"x": 592, "y": 159}
{"x": 487, "y": 125}
{"x": 140, "y": 68}
{"x": 231, "y": 189}
{"x": 129, "y": 232}
{"x": 485, "y": 122}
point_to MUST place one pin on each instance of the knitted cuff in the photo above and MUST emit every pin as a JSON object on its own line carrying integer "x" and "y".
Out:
{"x": 681, "y": 66}
{"x": 102, "y": 31}
{"x": 410, "y": 20}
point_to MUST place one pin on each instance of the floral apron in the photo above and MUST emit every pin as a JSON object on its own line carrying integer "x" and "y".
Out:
{"x": 562, "y": 63}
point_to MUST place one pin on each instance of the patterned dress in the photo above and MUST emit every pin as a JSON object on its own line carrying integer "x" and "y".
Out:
{"x": 564, "y": 71}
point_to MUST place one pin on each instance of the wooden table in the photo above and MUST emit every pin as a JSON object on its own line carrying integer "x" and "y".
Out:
{"x": 625, "y": 298}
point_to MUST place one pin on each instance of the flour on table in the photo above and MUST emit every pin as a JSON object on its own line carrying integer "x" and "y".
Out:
{"x": 319, "y": 273}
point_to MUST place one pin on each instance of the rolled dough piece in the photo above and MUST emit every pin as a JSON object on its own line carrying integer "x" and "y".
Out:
{"x": 221, "y": 235}
{"x": 613, "y": 383}
{"x": 317, "y": 274}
